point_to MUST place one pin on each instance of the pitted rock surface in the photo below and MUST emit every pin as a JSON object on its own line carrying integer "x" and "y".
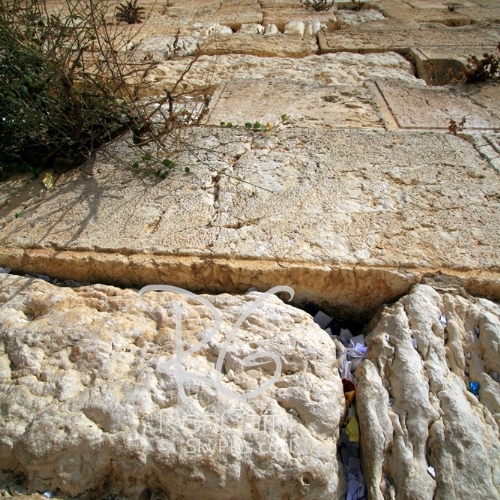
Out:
{"x": 414, "y": 404}
{"x": 89, "y": 402}
{"x": 350, "y": 218}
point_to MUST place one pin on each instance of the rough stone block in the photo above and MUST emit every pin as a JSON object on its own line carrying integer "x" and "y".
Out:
{"x": 259, "y": 45}
{"x": 429, "y": 386}
{"x": 442, "y": 65}
{"x": 89, "y": 401}
{"x": 331, "y": 69}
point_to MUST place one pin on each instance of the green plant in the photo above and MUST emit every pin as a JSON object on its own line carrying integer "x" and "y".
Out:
{"x": 156, "y": 166}
{"x": 68, "y": 87}
{"x": 65, "y": 87}
{"x": 318, "y": 5}
{"x": 129, "y": 12}
{"x": 257, "y": 126}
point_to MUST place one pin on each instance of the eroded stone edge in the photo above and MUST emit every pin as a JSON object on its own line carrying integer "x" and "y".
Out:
{"x": 343, "y": 290}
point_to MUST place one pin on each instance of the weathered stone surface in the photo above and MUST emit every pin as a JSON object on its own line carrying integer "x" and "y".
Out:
{"x": 294, "y": 28}
{"x": 479, "y": 14}
{"x": 90, "y": 407}
{"x": 307, "y": 105}
{"x": 270, "y": 4}
{"x": 352, "y": 18}
{"x": 329, "y": 69}
{"x": 442, "y": 65}
{"x": 234, "y": 15}
{"x": 488, "y": 146}
{"x": 413, "y": 404}
{"x": 433, "y": 107}
{"x": 459, "y": 13}
{"x": 348, "y": 218}
{"x": 252, "y": 29}
{"x": 259, "y": 45}
{"x": 280, "y": 17}
{"x": 399, "y": 36}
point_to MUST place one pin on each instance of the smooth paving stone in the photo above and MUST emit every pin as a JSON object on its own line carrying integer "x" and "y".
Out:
{"x": 308, "y": 105}
{"x": 259, "y": 45}
{"x": 433, "y": 107}
{"x": 443, "y": 65}
{"x": 396, "y": 9}
{"x": 352, "y": 218}
{"x": 401, "y": 35}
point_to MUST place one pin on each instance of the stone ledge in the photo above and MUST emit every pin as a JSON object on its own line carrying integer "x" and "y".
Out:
{"x": 346, "y": 292}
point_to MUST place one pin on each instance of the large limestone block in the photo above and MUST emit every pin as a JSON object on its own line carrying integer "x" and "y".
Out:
{"x": 432, "y": 11}
{"x": 440, "y": 4}
{"x": 307, "y": 105}
{"x": 399, "y": 36}
{"x": 96, "y": 398}
{"x": 329, "y": 69}
{"x": 413, "y": 404}
{"x": 433, "y": 107}
{"x": 462, "y": 12}
{"x": 259, "y": 45}
{"x": 348, "y": 218}
{"x": 441, "y": 65}
{"x": 480, "y": 14}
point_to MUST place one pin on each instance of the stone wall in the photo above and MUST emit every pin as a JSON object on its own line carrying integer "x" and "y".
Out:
{"x": 360, "y": 200}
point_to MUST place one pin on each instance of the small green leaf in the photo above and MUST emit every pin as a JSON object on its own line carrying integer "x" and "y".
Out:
{"x": 135, "y": 165}
{"x": 187, "y": 170}
{"x": 248, "y": 125}
{"x": 168, "y": 163}
{"x": 257, "y": 125}
{"x": 222, "y": 124}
